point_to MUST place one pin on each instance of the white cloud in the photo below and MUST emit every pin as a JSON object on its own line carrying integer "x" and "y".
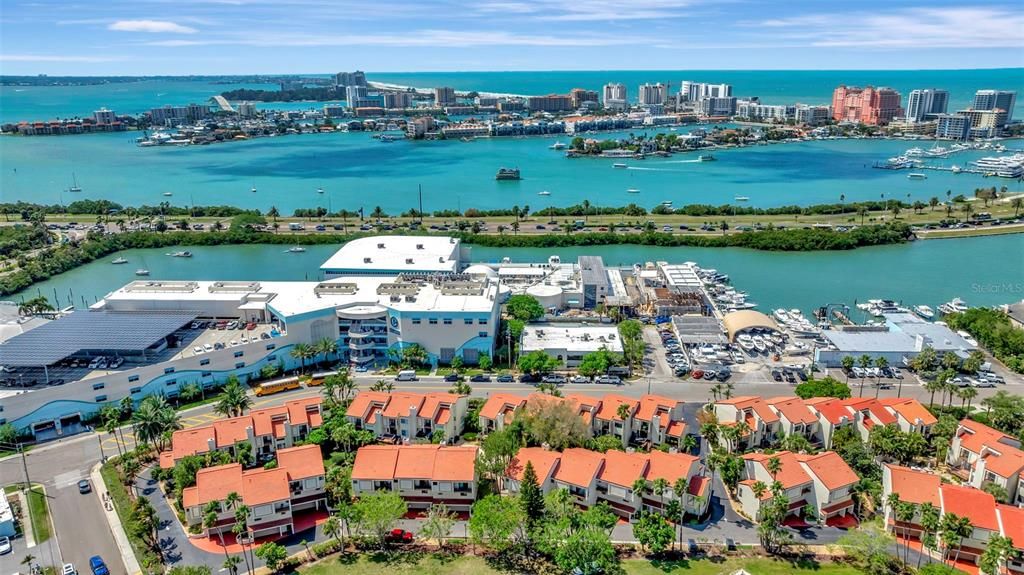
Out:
{"x": 151, "y": 26}
{"x": 922, "y": 28}
{"x": 423, "y": 38}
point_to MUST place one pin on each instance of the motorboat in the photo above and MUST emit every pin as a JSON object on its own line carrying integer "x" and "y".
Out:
{"x": 544, "y": 193}
{"x": 759, "y": 344}
{"x": 632, "y": 191}
{"x": 956, "y": 305}
{"x": 745, "y": 342}
{"x": 956, "y": 169}
{"x": 917, "y": 176}
{"x": 619, "y": 165}
{"x": 557, "y": 146}
{"x": 119, "y": 261}
{"x": 319, "y": 190}
{"x": 296, "y": 250}
{"x": 181, "y": 254}
{"x": 781, "y": 315}
{"x": 142, "y": 272}
{"x": 168, "y": 194}
{"x": 706, "y": 158}
{"x": 742, "y": 199}
{"x": 924, "y": 311}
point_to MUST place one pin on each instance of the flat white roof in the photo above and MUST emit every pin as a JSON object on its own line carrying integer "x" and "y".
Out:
{"x": 397, "y": 254}
{"x": 571, "y": 338}
{"x": 295, "y": 298}
{"x": 681, "y": 275}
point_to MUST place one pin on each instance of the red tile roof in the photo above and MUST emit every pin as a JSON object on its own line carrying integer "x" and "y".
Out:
{"x": 610, "y": 403}
{"x": 215, "y": 483}
{"x": 651, "y": 405}
{"x": 440, "y": 463}
{"x": 622, "y": 468}
{"x": 830, "y": 469}
{"x": 793, "y": 409}
{"x": 375, "y": 462}
{"x": 914, "y": 486}
{"x": 791, "y": 473}
{"x": 669, "y": 466}
{"x": 832, "y": 409}
{"x": 974, "y": 504}
{"x": 497, "y": 404}
{"x": 543, "y": 460}
{"x": 301, "y": 462}
{"x": 1000, "y": 455}
{"x": 755, "y": 404}
{"x": 262, "y": 486}
{"x": 910, "y": 410}
{"x": 579, "y": 466}
{"x": 364, "y": 400}
{"x": 1012, "y": 520}
{"x": 401, "y": 404}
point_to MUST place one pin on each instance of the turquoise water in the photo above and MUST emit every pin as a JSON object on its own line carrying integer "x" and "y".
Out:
{"x": 773, "y": 87}
{"x": 982, "y": 270}
{"x": 359, "y": 172}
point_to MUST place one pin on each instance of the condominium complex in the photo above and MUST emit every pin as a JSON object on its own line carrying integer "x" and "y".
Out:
{"x": 952, "y": 126}
{"x": 423, "y": 475}
{"x": 653, "y": 94}
{"x": 922, "y": 104}
{"x": 444, "y": 96}
{"x": 871, "y": 106}
{"x": 696, "y": 91}
{"x": 1003, "y": 100}
{"x": 397, "y": 100}
{"x": 550, "y": 103}
{"x": 357, "y": 78}
{"x": 614, "y": 96}
{"x": 408, "y": 416}
{"x": 173, "y": 115}
{"x": 822, "y": 482}
{"x": 581, "y": 97}
{"x": 592, "y": 477}
{"x": 355, "y": 93}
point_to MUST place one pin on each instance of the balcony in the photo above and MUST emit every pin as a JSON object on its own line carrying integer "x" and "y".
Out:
{"x": 359, "y": 345}
{"x": 361, "y": 359}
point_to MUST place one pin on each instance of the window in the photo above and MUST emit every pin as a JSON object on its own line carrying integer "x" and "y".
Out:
{"x": 272, "y": 358}
{"x": 135, "y": 390}
{"x": 421, "y": 484}
{"x": 481, "y": 334}
{"x": 416, "y": 321}
{"x": 101, "y": 398}
{"x": 171, "y": 382}
{"x": 482, "y": 321}
{"x": 468, "y": 321}
{"x": 98, "y": 386}
{"x": 433, "y": 321}
{"x": 462, "y": 487}
{"x": 239, "y": 353}
{"x": 206, "y": 374}
{"x": 240, "y": 365}
{"x": 132, "y": 378}
{"x": 447, "y": 321}
{"x": 168, "y": 370}
{"x": 271, "y": 346}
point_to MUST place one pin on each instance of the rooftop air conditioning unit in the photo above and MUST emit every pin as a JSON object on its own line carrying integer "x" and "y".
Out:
{"x": 408, "y": 261}
{"x": 419, "y": 246}
{"x": 380, "y": 246}
{"x": 367, "y": 260}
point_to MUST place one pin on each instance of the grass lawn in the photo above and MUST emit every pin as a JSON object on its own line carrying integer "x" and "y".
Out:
{"x": 40, "y": 512}
{"x": 431, "y": 565}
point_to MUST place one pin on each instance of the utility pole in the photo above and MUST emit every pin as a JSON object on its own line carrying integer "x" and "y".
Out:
{"x": 421, "y": 203}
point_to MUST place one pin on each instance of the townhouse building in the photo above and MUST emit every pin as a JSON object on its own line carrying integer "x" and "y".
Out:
{"x": 273, "y": 496}
{"x": 422, "y": 475}
{"x": 592, "y": 477}
{"x": 979, "y": 454}
{"x": 408, "y": 415}
{"x": 822, "y": 482}
{"x": 651, "y": 419}
{"x": 987, "y": 516}
{"x": 263, "y": 431}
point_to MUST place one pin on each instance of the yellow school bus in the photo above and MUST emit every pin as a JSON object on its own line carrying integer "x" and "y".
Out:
{"x": 317, "y": 379}
{"x": 277, "y": 386}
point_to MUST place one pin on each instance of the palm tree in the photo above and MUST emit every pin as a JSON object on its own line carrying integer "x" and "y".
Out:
{"x": 152, "y": 419}
{"x": 774, "y": 466}
{"x": 302, "y": 351}
{"x": 905, "y": 513}
{"x": 865, "y": 362}
{"x": 234, "y": 400}
{"x": 660, "y": 486}
{"x": 210, "y": 517}
{"x": 639, "y": 486}
{"x": 687, "y": 443}
{"x": 1017, "y": 203}
{"x": 332, "y": 528}
{"x": 966, "y": 394}
{"x": 326, "y": 347}
{"x": 231, "y": 564}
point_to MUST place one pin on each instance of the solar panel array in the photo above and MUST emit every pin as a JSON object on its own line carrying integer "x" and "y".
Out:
{"x": 91, "y": 330}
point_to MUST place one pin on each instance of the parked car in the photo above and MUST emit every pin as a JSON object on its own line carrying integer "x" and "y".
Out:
{"x": 84, "y": 486}
{"x": 453, "y": 377}
{"x": 609, "y": 379}
{"x": 529, "y": 378}
{"x": 580, "y": 379}
{"x": 554, "y": 378}
{"x": 5, "y": 545}
{"x": 505, "y": 378}
{"x": 97, "y": 566}
{"x": 68, "y": 569}
{"x": 776, "y": 375}
{"x": 400, "y": 536}
{"x": 480, "y": 378}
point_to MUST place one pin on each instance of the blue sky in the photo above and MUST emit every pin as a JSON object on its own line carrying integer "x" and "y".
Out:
{"x": 140, "y": 37}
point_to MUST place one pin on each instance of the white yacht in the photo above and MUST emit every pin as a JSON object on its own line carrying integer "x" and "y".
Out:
{"x": 295, "y": 250}
{"x": 917, "y": 176}
{"x": 74, "y": 184}
{"x": 544, "y": 193}
{"x": 142, "y": 272}
{"x": 924, "y": 311}
{"x": 181, "y": 254}
{"x": 619, "y": 165}
{"x": 1003, "y": 166}
{"x": 759, "y": 344}
{"x": 632, "y": 191}
{"x": 742, "y": 199}
{"x": 557, "y": 146}
{"x": 781, "y": 315}
{"x": 956, "y": 305}
{"x": 746, "y": 342}
{"x": 119, "y": 261}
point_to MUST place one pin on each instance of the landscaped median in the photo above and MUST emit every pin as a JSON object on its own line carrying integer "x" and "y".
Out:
{"x": 37, "y": 512}
{"x": 137, "y": 522}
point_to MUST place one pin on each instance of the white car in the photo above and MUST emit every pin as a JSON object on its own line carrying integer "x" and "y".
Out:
{"x": 5, "y": 545}
{"x": 197, "y": 350}
{"x": 233, "y": 343}
{"x": 68, "y": 569}
{"x": 208, "y": 347}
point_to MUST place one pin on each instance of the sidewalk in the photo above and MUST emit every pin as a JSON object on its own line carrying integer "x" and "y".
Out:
{"x": 114, "y": 522}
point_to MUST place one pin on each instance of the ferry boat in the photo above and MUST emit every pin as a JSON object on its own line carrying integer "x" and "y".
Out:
{"x": 544, "y": 193}
{"x": 182, "y": 254}
{"x": 119, "y": 261}
{"x": 619, "y": 165}
{"x": 74, "y": 184}
{"x": 706, "y": 158}
{"x": 924, "y": 311}
{"x": 917, "y": 176}
{"x": 295, "y": 250}
{"x": 142, "y": 272}
{"x": 557, "y": 146}
{"x": 508, "y": 174}
{"x": 632, "y": 191}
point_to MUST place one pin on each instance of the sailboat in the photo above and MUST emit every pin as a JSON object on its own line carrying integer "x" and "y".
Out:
{"x": 319, "y": 190}
{"x": 74, "y": 184}
{"x": 253, "y": 190}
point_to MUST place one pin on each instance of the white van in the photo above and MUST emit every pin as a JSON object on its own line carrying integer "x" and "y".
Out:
{"x": 406, "y": 375}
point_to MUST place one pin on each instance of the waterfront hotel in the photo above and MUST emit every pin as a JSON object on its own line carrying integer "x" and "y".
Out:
{"x": 157, "y": 336}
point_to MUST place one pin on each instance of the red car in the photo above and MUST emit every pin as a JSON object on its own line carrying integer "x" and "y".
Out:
{"x": 250, "y": 326}
{"x": 697, "y": 373}
{"x": 399, "y": 536}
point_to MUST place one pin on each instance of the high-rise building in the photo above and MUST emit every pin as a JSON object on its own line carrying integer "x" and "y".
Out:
{"x": 653, "y": 94}
{"x": 696, "y": 91}
{"x": 444, "y": 96}
{"x": 357, "y": 78}
{"x": 549, "y": 103}
{"x": 104, "y": 116}
{"x": 397, "y": 100}
{"x": 580, "y": 96}
{"x": 246, "y": 109}
{"x": 985, "y": 123}
{"x": 996, "y": 100}
{"x": 170, "y": 115}
{"x": 952, "y": 126}
{"x": 924, "y": 103}
{"x": 614, "y": 96}
{"x": 719, "y": 107}
{"x": 871, "y": 106}
{"x": 812, "y": 115}
{"x": 354, "y": 93}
